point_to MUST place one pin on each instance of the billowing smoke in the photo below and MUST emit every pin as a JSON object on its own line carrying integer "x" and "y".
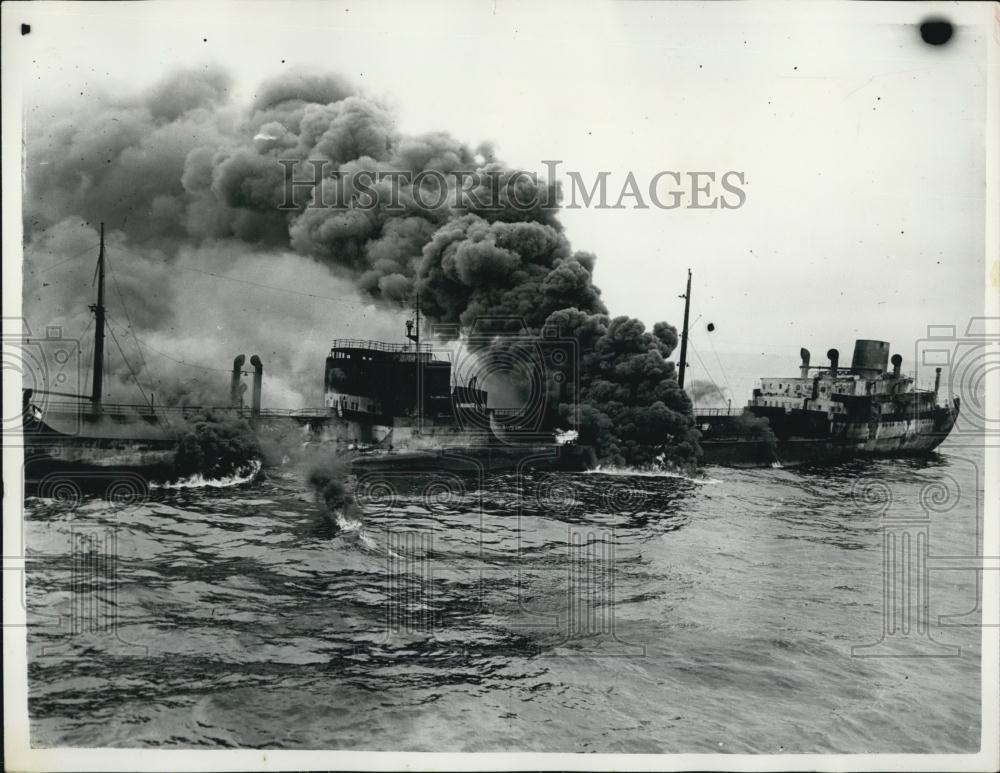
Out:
{"x": 328, "y": 475}
{"x": 629, "y": 406}
{"x": 203, "y": 218}
{"x": 216, "y": 445}
{"x": 707, "y": 394}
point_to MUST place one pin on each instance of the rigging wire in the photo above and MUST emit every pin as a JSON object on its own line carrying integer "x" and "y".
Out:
{"x": 174, "y": 359}
{"x": 708, "y": 374}
{"x": 719, "y": 360}
{"x": 152, "y": 378}
{"x": 128, "y": 317}
{"x": 128, "y": 364}
{"x": 271, "y": 287}
{"x": 63, "y": 262}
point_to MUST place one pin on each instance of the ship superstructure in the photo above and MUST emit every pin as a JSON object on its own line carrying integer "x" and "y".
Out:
{"x": 866, "y": 406}
{"x": 381, "y": 381}
{"x": 830, "y": 412}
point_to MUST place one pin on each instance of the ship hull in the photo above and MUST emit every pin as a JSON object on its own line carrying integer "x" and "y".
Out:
{"x": 94, "y": 450}
{"x": 797, "y": 451}
{"x": 477, "y": 459}
{"x": 810, "y": 437}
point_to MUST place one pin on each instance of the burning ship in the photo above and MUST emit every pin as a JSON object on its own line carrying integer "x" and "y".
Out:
{"x": 828, "y": 413}
{"x": 401, "y": 409}
{"x": 386, "y": 405}
{"x": 397, "y": 406}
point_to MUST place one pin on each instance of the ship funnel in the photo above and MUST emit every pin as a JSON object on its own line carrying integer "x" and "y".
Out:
{"x": 834, "y": 357}
{"x": 870, "y": 357}
{"x": 937, "y": 380}
{"x": 804, "y": 353}
{"x": 234, "y": 382}
{"x": 897, "y": 363}
{"x": 258, "y": 375}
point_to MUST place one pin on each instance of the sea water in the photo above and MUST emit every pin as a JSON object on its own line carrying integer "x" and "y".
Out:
{"x": 611, "y": 611}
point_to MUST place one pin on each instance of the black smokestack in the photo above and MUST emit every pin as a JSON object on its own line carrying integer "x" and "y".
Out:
{"x": 897, "y": 363}
{"x": 804, "y": 368}
{"x": 234, "y": 381}
{"x": 258, "y": 375}
{"x": 834, "y": 357}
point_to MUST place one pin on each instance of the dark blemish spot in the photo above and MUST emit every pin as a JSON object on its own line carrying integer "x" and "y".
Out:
{"x": 936, "y": 31}
{"x": 711, "y": 326}
{"x": 25, "y": 29}
{"x": 204, "y": 40}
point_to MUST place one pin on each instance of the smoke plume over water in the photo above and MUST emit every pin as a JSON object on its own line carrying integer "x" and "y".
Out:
{"x": 193, "y": 190}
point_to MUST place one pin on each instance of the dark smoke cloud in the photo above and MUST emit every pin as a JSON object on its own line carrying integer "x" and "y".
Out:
{"x": 188, "y": 181}
{"x": 216, "y": 446}
{"x": 524, "y": 270}
{"x": 629, "y": 404}
{"x": 707, "y": 394}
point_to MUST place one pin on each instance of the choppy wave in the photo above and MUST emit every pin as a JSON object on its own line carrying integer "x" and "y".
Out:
{"x": 623, "y": 611}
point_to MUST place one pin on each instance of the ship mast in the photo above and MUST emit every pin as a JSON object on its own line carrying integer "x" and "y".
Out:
{"x": 684, "y": 334}
{"x": 98, "y": 309}
{"x": 418, "y": 364}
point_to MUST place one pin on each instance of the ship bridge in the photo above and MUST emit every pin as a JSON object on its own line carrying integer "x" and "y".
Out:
{"x": 386, "y": 380}
{"x": 368, "y": 346}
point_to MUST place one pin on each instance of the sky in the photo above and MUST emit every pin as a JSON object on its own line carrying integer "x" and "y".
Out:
{"x": 862, "y": 148}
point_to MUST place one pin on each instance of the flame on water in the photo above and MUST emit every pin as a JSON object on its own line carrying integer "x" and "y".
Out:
{"x": 347, "y": 524}
{"x": 650, "y": 472}
{"x": 200, "y": 481}
{"x": 357, "y": 526}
